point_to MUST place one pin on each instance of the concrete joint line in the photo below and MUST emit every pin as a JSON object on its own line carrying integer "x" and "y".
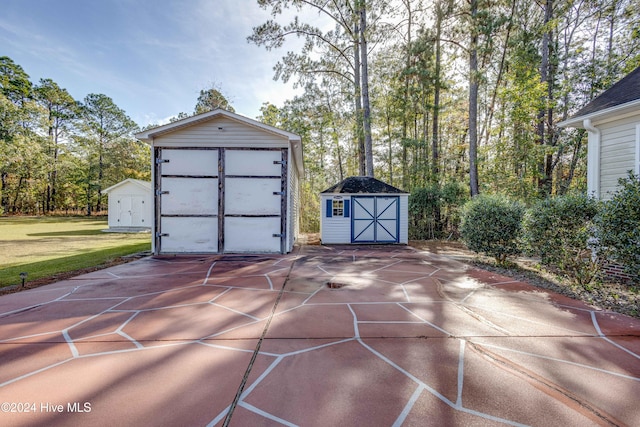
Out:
{"x": 245, "y": 377}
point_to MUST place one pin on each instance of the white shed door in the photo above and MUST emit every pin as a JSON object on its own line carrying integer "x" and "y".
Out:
{"x": 188, "y": 200}
{"x": 131, "y": 211}
{"x": 375, "y": 219}
{"x": 253, "y": 200}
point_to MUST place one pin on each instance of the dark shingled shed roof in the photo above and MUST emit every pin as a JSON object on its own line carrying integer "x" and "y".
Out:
{"x": 626, "y": 90}
{"x": 362, "y": 184}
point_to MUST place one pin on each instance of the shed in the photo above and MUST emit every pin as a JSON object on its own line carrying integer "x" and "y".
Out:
{"x": 612, "y": 121}
{"x": 224, "y": 183}
{"x": 130, "y": 205}
{"x": 362, "y": 209}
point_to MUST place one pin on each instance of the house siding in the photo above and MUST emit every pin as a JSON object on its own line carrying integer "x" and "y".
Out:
{"x": 617, "y": 152}
{"x": 404, "y": 213}
{"x": 336, "y": 229}
{"x": 294, "y": 205}
{"x": 208, "y": 134}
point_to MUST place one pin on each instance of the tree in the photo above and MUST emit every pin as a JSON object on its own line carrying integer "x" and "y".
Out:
{"x": 18, "y": 157}
{"x": 473, "y": 100}
{"x": 61, "y": 110}
{"x": 351, "y": 32}
{"x": 104, "y": 126}
{"x": 211, "y": 99}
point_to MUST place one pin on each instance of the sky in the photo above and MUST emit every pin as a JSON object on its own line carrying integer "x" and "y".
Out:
{"x": 152, "y": 57}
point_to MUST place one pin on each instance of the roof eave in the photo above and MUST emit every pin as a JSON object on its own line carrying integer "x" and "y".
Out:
{"x": 149, "y": 134}
{"x": 618, "y": 110}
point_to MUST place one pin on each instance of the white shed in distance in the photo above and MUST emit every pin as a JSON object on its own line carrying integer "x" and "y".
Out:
{"x": 362, "y": 209}
{"x": 130, "y": 205}
{"x": 224, "y": 183}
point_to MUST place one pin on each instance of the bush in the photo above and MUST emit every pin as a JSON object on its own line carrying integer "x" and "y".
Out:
{"x": 618, "y": 226}
{"x": 558, "y": 229}
{"x": 492, "y": 225}
{"x": 434, "y": 211}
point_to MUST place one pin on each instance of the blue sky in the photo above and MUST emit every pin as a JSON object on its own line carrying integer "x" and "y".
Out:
{"x": 151, "y": 57}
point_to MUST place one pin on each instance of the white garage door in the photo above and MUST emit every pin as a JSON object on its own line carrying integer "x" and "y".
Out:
{"x": 220, "y": 200}
{"x": 188, "y": 201}
{"x": 253, "y": 200}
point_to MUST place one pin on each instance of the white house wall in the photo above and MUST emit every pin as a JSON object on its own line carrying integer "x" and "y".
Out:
{"x": 617, "y": 152}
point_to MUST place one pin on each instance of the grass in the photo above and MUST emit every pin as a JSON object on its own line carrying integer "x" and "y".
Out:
{"x": 46, "y": 246}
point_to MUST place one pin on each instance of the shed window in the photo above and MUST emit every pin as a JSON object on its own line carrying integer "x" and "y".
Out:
{"x": 338, "y": 208}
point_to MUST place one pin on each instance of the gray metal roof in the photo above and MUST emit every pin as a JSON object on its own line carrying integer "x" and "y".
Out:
{"x": 363, "y": 184}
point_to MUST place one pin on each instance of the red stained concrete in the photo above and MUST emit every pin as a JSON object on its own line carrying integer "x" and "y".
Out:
{"x": 410, "y": 338}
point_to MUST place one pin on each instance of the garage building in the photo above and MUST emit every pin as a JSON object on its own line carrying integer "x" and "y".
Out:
{"x": 224, "y": 183}
{"x": 362, "y": 209}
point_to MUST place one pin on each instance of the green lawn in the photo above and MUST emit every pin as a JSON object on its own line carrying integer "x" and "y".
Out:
{"x": 44, "y": 246}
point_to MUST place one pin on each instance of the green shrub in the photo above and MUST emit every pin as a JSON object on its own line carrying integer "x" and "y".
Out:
{"x": 434, "y": 211}
{"x": 558, "y": 229}
{"x": 424, "y": 213}
{"x": 618, "y": 226}
{"x": 492, "y": 225}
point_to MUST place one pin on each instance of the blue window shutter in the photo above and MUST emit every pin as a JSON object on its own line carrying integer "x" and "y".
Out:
{"x": 329, "y": 208}
{"x": 346, "y": 208}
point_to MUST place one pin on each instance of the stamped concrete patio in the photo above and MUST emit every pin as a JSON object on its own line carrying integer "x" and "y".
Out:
{"x": 325, "y": 336}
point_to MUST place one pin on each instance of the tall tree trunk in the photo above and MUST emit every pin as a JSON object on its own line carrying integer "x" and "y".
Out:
{"x": 100, "y": 176}
{"x": 358, "y": 99}
{"x": 545, "y": 114}
{"x": 405, "y": 119}
{"x": 366, "y": 109}
{"x": 473, "y": 102}
{"x": 436, "y": 98}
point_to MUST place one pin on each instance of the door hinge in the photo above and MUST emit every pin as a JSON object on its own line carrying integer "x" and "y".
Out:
{"x": 160, "y": 192}
{"x": 159, "y": 234}
{"x": 278, "y": 234}
{"x": 279, "y": 193}
{"x": 158, "y": 161}
{"x": 280, "y": 162}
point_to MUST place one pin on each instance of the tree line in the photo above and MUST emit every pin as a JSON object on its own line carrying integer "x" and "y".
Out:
{"x": 437, "y": 93}
{"x": 421, "y": 94}
{"x": 56, "y": 153}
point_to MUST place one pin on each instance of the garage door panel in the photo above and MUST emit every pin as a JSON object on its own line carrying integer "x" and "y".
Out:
{"x": 253, "y": 162}
{"x": 189, "y": 196}
{"x": 252, "y": 196}
{"x": 251, "y": 234}
{"x": 189, "y": 162}
{"x": 189, "y": 235}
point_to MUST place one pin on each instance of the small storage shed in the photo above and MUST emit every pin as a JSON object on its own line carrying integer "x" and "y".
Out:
{"x": 130, "y": 205}
{"x": 363, "y": 209}
{"x": 612, "y": 121}
{"x": 224, "y": 183}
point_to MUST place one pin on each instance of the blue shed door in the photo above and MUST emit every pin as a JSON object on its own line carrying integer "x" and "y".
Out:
{"x": 375, "y": 219}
